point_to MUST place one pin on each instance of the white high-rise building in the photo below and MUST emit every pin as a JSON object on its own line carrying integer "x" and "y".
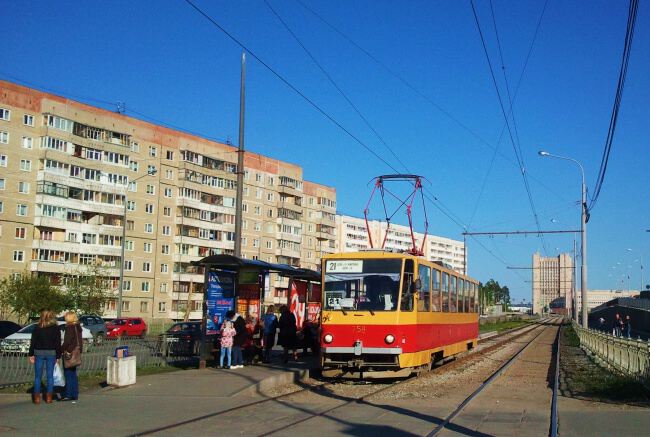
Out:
{"x": 352, "y": 236}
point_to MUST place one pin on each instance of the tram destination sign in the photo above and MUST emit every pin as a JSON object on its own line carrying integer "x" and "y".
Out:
{"x": 344, "y": 266}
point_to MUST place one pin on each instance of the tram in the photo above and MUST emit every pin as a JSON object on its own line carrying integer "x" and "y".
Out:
{"x": 387, "y": 314}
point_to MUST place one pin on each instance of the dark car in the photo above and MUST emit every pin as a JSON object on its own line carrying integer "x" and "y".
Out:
{"x": 7, "y": 328}
{"x": 183, "y": 338}
{"x": 95, "y": 325}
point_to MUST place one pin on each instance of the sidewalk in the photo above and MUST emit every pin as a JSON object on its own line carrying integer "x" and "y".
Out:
{"x": 155, "y": 401}
{"x": 589, "y": 418}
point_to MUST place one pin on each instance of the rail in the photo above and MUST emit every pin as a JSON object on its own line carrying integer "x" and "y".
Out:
{"x": 626, "y": 356}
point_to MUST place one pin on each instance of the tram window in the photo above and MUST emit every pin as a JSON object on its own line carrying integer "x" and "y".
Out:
{"x": 475, "y": 303}
{"x": 424, "y": 295}
{"x": 470, "y": 302}
{"x": 445, "y": 292}
{"x": 408, "y": 291}
{"x": 453, "y": 295}
{"x": 435, "y": 298}
{"x": 461, "y": 295}
{"x": 468, "y": 295}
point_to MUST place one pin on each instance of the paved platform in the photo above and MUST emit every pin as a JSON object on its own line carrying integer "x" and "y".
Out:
{"x": 588, "y": 418}
{"x": 155, "y": 401}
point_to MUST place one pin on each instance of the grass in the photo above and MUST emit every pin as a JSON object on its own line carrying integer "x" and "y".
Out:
{"x": 583, "y": 378}
{"x": 501, "y": 326}
{"x": 90, "y": 381}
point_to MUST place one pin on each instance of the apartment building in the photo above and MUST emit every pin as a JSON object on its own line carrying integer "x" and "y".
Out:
{"x": 598, "y": 297}
{"x": 552, "y": 279}
{"x": 353, "y": 236}
{"x": 72, "y": 175}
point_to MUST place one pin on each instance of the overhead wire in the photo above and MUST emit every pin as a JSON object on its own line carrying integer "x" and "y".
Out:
{"x": 505, "y": 116}
{"x": 627, "y": 48}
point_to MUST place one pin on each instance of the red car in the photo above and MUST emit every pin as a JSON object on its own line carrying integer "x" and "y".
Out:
{"x": 126, "y": 327}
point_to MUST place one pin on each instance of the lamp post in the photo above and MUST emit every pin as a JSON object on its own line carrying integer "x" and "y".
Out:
{"x": 150, "y": 172}
{"x": 583, "y": 232}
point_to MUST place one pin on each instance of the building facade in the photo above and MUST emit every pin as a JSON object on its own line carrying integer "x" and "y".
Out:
{"x": 599, "y": 297}
{"x": 553, "y": 278}
{"x": 353, "y": 235}
{"x": 70, "y": 173}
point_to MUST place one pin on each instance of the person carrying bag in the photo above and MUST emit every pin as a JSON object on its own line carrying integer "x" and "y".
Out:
{"x": 72, "y": 348}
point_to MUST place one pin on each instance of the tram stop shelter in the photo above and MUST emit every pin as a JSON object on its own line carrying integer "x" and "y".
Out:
{"x": 240, "y": 284}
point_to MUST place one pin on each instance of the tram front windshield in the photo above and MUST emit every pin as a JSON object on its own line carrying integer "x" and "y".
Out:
{"x": 362, "y": 284}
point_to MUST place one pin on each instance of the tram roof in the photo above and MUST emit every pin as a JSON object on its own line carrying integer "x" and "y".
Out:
{"x": 231, "y": 262}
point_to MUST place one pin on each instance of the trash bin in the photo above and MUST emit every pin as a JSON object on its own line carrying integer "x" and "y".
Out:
{"x": 121, "y": 368}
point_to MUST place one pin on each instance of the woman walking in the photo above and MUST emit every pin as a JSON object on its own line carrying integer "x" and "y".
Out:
{"x": 45, "y": 352}
{"x": 227, "y": 333}
{"x": 71, "y": 358}
{"x": 287, "y": 337}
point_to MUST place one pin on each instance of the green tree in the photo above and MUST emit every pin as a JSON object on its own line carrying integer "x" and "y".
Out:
{"x": 491, "y": 293}
{"x": 86, "y": 291}
{"x": 26, "y": 295}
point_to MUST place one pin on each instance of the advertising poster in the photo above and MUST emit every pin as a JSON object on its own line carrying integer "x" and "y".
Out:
{"x": 297, "y": 302}
{"x": 313, "y": 312}
{"x": 221, "y": 291}
{"x": 249, "y": 307}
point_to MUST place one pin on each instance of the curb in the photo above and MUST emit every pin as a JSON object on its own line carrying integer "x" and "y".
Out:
{"x": 287, "y": 377}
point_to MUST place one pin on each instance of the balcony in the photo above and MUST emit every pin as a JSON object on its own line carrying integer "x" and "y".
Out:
{"x": 197, "y": 204}
{"x": 180, "y": 315}
{"x": 49, "y": 267}
{"x": 81, "y": 205}
{"x": 288, "y": 190}
{"x": 289, "y": 205}
{"x": 87, "y": 184}
{"x": 217, "y": 226}
{"x": 188, "y": 277}
{"x": 217, "y": 244}
{"x": 287, "y": 253}
{"x": 325, "y": 236}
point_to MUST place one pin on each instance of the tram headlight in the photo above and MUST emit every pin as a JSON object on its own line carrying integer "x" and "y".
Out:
{"x": 389, "y": 339}
{"x": 328, "y": 338}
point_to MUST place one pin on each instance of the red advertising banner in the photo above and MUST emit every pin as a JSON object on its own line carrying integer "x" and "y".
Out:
{"x": 296, "y": 306}
{"x": 249, "y": 307}
{"x": 313, "y": 312}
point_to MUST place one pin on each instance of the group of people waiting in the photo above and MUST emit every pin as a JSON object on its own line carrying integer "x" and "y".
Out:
{"x": 47, "y": 351}
{"x": 245, "y": 340}
{"x": 621, "y": 327}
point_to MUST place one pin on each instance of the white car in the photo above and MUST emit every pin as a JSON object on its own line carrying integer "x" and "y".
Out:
{"x": 19, "y": 341}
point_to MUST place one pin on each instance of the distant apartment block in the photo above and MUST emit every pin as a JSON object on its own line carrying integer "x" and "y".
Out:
{"x": 352, "y": 236}
{"x": 552, "y": 281}
{"x": 599, "y": 297}
{"x": 68, "y": 170}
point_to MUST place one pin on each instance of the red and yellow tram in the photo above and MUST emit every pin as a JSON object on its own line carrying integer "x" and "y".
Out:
{"x": 391, "y": 314}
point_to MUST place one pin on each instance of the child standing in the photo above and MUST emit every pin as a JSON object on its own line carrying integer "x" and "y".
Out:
{"x": 227, "y": 333}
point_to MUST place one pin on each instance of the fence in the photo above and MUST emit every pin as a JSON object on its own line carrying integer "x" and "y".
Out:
{"x": 15, "y": 367}
{"x": 629, "y": 357}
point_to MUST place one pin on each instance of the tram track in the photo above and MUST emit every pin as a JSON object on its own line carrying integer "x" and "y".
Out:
{"x": 488, "y": 345}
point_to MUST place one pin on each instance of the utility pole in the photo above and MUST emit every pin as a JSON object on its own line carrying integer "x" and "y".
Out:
{"x": 240, "y": 158}
{"x": 583, "y": 257}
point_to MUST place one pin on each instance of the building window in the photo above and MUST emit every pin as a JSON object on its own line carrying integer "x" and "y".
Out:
{"x": 170, "y": 155}
{"x": 27, "y": 142}
{"x": 135, "y": 147}
{"x": 270, "y": 181}
{"x": 28, "y": 120}
{"x": 130, "y": 205}
{"x": 25, "y": 165}
{"x": 146, "y": 266}
{"x": 3, "y": 160}
{"x": 270, "y": 197}
{"x": 153, "y": 151}
{"x": 256, "y": 242}
{"x": 126, "y": 306}
{"x": 244, "y": 241}
{"x": 23, "y": 187}
{"x": 163, "y": 287}
{"x": 147, "y": 247}
{"x": 21, "y": 210}
{"x": 4, "y": 137}
{"x": 145, "y": 286}
{"x": 258, "y": 193}
{"x": 258, "y": 210}
{"x": 244, "y": 207}
{"x": 168, "y": 192}
{"x": 151, "y": 189}
{"x": 167, "y": 211}
{"x": 165, "y": 249}
{"x": 166, "y": 230}
{"x": 169, "y": 174}
{"x": 128, "y": 265}
{"x": 148, "y": 208}
{"x": 164, "y": 268}
{"x": 133, "y": 165}
{"x": 19, "y": 256}
{"x": 133, "y": 186}
{"x": 20, "y": 233}
{"x": 5, "y": 114}
{"x": 129, "y": 245}
{"x": 148, "y": 228}
{"x": 144, "y": 306}
{"x": 258, "y": 177}
{"x": 126, "y": 285}
{"x": 2, "y": 207}
{"x": 162, "y": 307}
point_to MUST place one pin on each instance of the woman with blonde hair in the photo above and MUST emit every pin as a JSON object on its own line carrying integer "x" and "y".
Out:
{"x": 45, "y": 351}
{"x": 72, "y": 341}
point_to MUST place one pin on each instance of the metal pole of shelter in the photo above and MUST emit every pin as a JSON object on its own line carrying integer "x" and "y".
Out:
{"x": 240, "y": 159}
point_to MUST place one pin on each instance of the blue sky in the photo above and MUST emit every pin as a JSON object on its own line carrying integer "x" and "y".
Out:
{"x": 165, "y": 61}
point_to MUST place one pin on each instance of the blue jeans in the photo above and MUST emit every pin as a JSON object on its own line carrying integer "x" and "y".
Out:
{"x": 71, "y": 383}
{"x": 225, "y": 351}
{"x": 48, "y": 362}
{"x": 237, "y": 359}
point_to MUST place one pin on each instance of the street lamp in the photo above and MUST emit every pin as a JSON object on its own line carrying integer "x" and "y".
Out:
{"x": 583, "y": 232}
{"x": 152, "y": 171}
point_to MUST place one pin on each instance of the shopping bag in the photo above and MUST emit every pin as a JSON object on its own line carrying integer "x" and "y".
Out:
{"x": 59, "y": 379}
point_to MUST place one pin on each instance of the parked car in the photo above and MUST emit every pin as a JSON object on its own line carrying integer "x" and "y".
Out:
{"x": 95, "y": 325}
{"x": 7, "y": 328}
{"x": 183, "y": 338}
{"x": 126, "y": 327}
{"x": 19, "y": 341}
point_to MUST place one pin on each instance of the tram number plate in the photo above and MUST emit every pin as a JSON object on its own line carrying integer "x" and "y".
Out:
{"x": 359, "y": 329}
